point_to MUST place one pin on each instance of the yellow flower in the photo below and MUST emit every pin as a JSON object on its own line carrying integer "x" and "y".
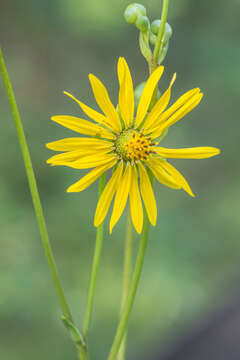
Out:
{"x": 127, "y": 144}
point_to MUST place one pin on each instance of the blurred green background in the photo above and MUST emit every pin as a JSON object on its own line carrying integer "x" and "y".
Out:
{"x": 194, "y": 251}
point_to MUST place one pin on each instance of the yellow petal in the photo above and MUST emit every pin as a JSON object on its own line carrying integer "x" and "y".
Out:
{"x": 82, "y": 126}
{"x": 189, "y": 106}
{"x": 104, "y": 102}
{"x": 76, "y": 155}
{"x": 172, "y": 171}
{"x": 147, "y": 95}
{"x": 107, "y": 195}
{"x": 88, "y": 179}
{"x": 94, "y": 115}
{"x": 178, "y": 115}
{"x": 180, "y": 102}
{"x": 159, "y": 107}
{"x": 161, "y": 175}
{"x": 70, "y": 144}
{"x": 135, "y": 202}
{"x": 67, "y": 156}
{"x": 189, "y": 153}
{"x": 148, "y": 195}
{"x": 126, "y": 94}
{"x": 87, "y": 162}
{"x": 121, "y": 196}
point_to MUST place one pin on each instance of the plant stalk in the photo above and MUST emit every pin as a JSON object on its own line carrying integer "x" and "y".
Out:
{"x": 95, "y": 266}
{"x": 159, "y": 44}
{"x": 153, "y": 64}
{"x": 36, "y": 200}
{"x": 122, "y": 326}
{"x": 127, "y": 266}
{"x": 34, "y": 189}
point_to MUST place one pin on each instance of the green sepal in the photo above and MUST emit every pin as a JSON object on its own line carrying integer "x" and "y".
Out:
{"x": 120, "y": 117}
{"x": 138, "y": 93}
{"x": 162, "y": 136}
{"x": 144, "y": 45}
{"x": 152, "y": 38}
{"x": 163, "y": 53}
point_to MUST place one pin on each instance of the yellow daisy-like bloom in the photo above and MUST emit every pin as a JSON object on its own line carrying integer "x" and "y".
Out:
{"x": 127, "y": 144}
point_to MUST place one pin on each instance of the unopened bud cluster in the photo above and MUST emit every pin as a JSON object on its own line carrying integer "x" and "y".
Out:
{"x": 136, "y": 14}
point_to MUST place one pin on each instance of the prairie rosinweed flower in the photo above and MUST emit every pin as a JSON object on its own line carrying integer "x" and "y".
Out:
{"x": 128, "y": 144}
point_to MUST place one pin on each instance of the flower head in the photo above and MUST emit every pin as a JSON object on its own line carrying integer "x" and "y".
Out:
{"x": 127, "y": 144}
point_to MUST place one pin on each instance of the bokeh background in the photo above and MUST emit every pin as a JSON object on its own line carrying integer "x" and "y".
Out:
{"x": 193, "y": 255}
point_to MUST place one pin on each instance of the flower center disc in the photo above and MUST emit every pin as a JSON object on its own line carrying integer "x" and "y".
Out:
{"x": 132, "y": 145}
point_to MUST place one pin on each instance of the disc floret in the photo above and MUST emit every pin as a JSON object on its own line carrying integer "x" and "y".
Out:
{"x": 132, "y": 145}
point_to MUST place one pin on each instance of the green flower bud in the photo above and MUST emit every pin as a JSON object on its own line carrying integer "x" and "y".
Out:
{"x": 155, "y": 26}
{"x": 133, "y": 11}
{"x": 138, "y": 93}
{"x": 167, "y": 33}
{"x": 152, "y": 38}
{"x": 142, "y": 23}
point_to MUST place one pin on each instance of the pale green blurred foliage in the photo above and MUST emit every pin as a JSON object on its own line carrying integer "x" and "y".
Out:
{"x": 193, "y": 252}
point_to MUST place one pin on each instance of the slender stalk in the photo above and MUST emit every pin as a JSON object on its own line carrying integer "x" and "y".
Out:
{"x": 82, "y": 353}
{"x": 67, "y": 318}
{"x": 34, "y": 189}
{"x": 122, "y": 326}
{"x": 159, "y": 43}
{"x": 95, "y": 266}
{"x": 127, "y": 266}
{"x": 153, "y": 64}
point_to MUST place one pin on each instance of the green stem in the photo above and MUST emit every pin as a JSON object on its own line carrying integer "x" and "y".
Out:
{"x": 34, "y": 189}
{"x": 95, "y": 266}
{"x": 152, "y": 65}
{"x": 77, "y": 338}
{"x": 35, "y": 198}
{"x": 126, "y": 277}
{"x": 82, "y": 353}
{"x": 122, "y": 326}
{"x": 159, "y": 44}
